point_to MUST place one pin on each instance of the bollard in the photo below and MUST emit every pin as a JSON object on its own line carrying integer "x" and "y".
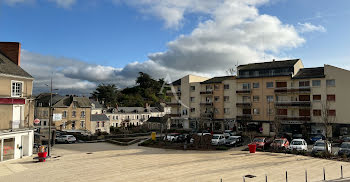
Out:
{"x": 221, "y": 180}
{"x": 305, "y": 175}
{"x": 341, "y": 172}
{"x": 324, "y": 174}
{"x": 286, "y": 176}
{"x": 265, "y": 177}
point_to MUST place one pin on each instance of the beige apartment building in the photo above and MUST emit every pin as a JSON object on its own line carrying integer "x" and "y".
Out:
{"x": 16, "y": 105}
{"x": 264, "y": 96}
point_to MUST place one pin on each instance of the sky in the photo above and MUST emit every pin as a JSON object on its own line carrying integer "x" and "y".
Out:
{"x": 83, "y": 43}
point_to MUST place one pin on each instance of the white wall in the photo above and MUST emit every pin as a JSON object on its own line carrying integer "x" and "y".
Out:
{"x": 28, "y": 142}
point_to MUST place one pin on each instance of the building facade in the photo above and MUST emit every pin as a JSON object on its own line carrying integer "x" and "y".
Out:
{"x": 16, "y": 105}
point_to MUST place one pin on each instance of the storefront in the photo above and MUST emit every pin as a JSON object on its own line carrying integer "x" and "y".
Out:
{"x": 15, "y": 145}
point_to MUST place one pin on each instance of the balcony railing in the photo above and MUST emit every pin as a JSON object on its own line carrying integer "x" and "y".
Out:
{"x": 293, "y": 104}
{"x": 244, "y": 117}
{"x": 293, "y": 118}
{"x": 243, "y": 104}
{"x": 175, "y": 115}
{"x": 206, "y": 92}
{"x": 244, "y": 91}
{"x": 206, "y": 103}
{"x": 173, "y": 104}
{"x": 285, "y": 90}
{"x": 207, "y": 115}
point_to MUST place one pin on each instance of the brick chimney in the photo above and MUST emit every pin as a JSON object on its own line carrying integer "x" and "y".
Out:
{"x": 12, "y": 50}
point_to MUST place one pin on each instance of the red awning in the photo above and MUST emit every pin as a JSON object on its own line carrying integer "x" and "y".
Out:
{"x": 12, "y": 101}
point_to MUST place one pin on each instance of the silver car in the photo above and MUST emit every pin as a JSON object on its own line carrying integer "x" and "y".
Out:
{"x": 321, "y": 147}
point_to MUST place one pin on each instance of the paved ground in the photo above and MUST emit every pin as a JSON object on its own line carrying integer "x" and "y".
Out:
{"x": 106, "y": 162}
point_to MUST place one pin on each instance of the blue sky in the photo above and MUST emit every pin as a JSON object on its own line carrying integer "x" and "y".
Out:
{"x": 118, "y": 38}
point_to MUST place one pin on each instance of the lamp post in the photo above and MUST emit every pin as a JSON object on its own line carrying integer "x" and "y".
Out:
{"x": 50, "y": 119}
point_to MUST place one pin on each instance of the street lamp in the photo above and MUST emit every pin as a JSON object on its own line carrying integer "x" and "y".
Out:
{"x": 50, "y": 119}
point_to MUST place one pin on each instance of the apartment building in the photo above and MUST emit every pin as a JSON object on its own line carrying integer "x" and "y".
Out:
{"x": 134, "y": 116}
{"x": 42, "y": 108}
{"x": 72, "y": 113}
{"x": 16, "y": 105}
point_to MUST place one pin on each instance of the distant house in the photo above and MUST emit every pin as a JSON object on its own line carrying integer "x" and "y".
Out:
{"x": 42, "y": 107}
{"x": 16, "y": 105}
{"x": 99, "y": 123}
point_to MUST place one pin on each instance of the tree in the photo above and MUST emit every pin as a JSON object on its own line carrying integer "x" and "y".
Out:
{"x": 106, "y": 93}
{"x": 327, "y": 120}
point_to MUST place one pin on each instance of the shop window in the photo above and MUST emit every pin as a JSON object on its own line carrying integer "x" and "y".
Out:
{"x": 8, "y": 150}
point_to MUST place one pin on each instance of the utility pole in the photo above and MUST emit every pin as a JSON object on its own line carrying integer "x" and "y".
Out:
{"x": 50, "y": 120}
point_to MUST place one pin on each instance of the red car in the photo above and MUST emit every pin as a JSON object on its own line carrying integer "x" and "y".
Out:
{"x": 260, "y": 142}
{"x": 280, "y": 143}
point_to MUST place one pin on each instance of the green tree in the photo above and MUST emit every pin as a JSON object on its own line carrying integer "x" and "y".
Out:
{"x": 106, "y": 93}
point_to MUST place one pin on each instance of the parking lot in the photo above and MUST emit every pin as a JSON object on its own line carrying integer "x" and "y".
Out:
{"x": 107, "y": 162}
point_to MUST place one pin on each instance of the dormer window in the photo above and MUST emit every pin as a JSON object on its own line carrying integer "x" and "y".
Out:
{"x": 16, "y": 90}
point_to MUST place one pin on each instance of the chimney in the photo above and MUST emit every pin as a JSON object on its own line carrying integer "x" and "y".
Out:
{"x": 12, "y": 50}
{"x": 273, "y": 60}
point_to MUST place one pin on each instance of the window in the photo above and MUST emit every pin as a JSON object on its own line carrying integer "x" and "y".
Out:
{"x": 73, "y": 125}
{"x": 247, "y": 111}
{"x": 282, "y": 112}
{"x": 270, "y": 111}
{"x": 281, "y": 84}
{"x": 269, "y": 84}
{"x": 73, "y": 114}
{"x": 330, "y": 97}
{"x": 97, "y": 124}
{"x": 304, "y": 112}
{"x": 216, "y": 98}
{"x": 316, "y": 83}
{"x": 256, "y": 111}
{"x": 192, "y": 99}
{"x": 184, "y": 112}
{"x": 179, "y": 89}
{"x": 16, "y": 89}
{"x": 64, "y": 125}
{"x": 317, "y": 112}
{"x": 304, "y": 83}
{"x": 216, "y": 110}
{"x": 45, "y": 113}
{"x": 226, "y": 98}
{"x": 74, "y": 104}
{"x": 226, "y": 86}
{"x": 256, "y": 98}
{"x": 103, "y": 124}
{"x": 246, "y": 99}
{"x": 193, "y": 109}
{"x": 331, "y": 113}
{"x": 316, "y": 97}
{"x": 216, "y": 87}
{"x": 304, "y": 97}
{"x": 82, "y": 114}
{"x": 193, "y": 88}
{"x": 208, "y": 88}
{"x": 246, "y": 86}
{"x": 82, "y": 124}
{"x": 256, "y": 85}
{"x": 330, "y": 83}
{"x": 226, "y": 110}
{"x": 269, "y": 98}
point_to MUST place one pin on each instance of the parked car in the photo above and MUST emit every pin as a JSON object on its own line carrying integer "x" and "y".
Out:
{"x": 182, "y": 138}
{"x": 234, "y": 141}
{"x": 320, "y": 146}
{"x": 344, "y": 149}
{"x": 345, "y": 139}
{"x": 218, "y": 139}
{"x": 261, "y": 142}
{"x": 172, "y": 137}
{"x": 281, "y": 143}
{"x": 316, "y": 137}
{"x": 200, "y": 134}
{"x": 298, "y": 144}
{"x": 66, "y": 139}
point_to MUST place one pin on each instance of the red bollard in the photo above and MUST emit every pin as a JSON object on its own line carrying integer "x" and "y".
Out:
{"x": 252, "y": 148}
{"x": 42, "y": 155}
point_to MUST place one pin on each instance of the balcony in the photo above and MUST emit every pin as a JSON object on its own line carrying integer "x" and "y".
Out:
{"x": 206, "y": 104}
{"x": 293, "y": 118}
{"x": 207, "y": 92}
{"x": 244, "y": 117}
{"x": 207, "y": 115}
{"x": 170, "y": 93}
{"x": 284, "y": 90}
{"x": 173, "y": 104}
{"x": 175, "y": 115}
{"x": 244, "y": 91}
{"x": 244, "y": 104}
{"x": 293, "y": 104}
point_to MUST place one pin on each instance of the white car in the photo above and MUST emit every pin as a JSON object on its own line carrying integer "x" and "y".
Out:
{"x": 298, "y": 144}
{"x": 172, "y": 137}
{"x": 321, "y": 147}
{"x": 66, "y": 139}
{"x": 218, "y": 139}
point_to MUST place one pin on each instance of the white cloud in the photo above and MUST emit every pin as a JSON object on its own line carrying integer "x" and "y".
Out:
{"x": 308, "y": 27}
{"x": 61, "y": 3}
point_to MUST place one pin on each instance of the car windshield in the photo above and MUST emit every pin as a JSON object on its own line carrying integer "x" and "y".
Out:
{"x": 297, "y": 142}
{"x": 345, "y": 145}
{"x": 319, "y": 144}
{"x": 216, "y": 137}
{"x": 258, "y": 140}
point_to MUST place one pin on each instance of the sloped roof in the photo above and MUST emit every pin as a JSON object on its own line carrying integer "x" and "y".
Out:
{"x": 99, "y": 117}
{"x": 310, "y": 73}
{"x": 44, "y": 99}
{"x": 67, "y": 101}
{"x": 10, "y": 68}
{"x": 269, "y": 65}
{"x": 96, "y": 103}
{"x": 82, "y": 101}
{"x": 177, "y": 82}
{"x": 134, "y": 110}
{"x": 218, "y": 79}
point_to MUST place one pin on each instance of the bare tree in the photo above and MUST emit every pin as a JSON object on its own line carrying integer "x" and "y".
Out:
{"x": 232, "y": 71}
{"x": 327, "y": 120}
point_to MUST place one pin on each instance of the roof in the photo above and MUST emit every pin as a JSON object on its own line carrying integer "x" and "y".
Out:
{"x": 10, "y": 68}
{"x": 134, "y": 110}
{"x": 99, "y": 117}
{"x": 96, "y": 103}
{"x": 67, "y": 101}
{"x": 158, "y": 119}
{"x": 44, "y": 99}
{"x": 217, "y": 79}
{"x": 177, "y": 82}
{"x": 269, "y": 65}
{"x": 310, "y": 73}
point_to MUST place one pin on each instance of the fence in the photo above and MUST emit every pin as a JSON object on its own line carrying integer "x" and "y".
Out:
{"x": 324, "y": 177}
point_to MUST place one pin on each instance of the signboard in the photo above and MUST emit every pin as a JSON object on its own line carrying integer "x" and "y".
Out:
{"x": 57, "y": 117}
{"x": 37, "y": 121}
